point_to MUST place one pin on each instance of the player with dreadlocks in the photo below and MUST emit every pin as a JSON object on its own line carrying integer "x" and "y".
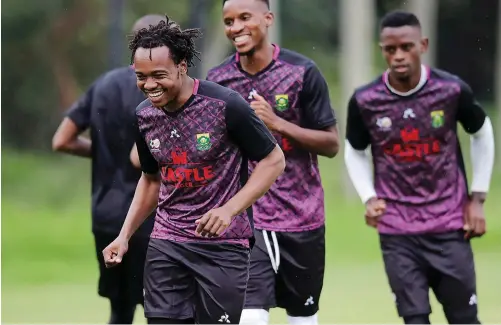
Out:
{"x": 194, "y": 141}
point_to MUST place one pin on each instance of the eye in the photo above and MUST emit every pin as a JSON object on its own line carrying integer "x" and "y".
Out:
{"x": 246, "y": 17}
{"x": 140, "y": 77}
{"x": 228, "y": 22}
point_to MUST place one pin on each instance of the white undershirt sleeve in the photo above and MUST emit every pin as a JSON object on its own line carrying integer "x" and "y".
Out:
{"x": 482, "y": 157}
{"x": 358, "y": 164}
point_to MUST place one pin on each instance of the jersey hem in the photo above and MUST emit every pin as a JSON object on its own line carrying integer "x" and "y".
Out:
{"x": 177, "y": 239}
{"x": 290, "y": 229}
{"x": 401, "y": 232}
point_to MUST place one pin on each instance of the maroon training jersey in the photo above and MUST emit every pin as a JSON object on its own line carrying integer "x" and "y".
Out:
{"x": 418, "y": 164}
{"x": 201, "y": 152}
{"x": 298, "y": 93}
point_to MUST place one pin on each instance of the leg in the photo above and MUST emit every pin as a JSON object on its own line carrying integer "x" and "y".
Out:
{"x": 260, "y": 294}
{"x": 407, "y": 275}
{"x": 169, "y": 287}
{"x": 301, "y": 275}
{"x": 451, "y": 257}
{"x": 170, "y": 321}
{"x": 221, "y": 272}
{"x": 111, "y": 283}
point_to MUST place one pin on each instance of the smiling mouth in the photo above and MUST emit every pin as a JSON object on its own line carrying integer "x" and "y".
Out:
{"x": 241, "y": 39}
{"x": 155, "y": 94}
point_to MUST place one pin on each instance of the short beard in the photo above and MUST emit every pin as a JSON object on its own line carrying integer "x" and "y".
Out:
{"x": 248, "y": 53}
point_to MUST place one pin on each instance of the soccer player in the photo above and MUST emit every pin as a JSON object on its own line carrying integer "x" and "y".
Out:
{"x": 418, "y": 198}
{"x": 194, "y": 141}
{"x": 290, "y": 95}
{"x": 107, "y": 109}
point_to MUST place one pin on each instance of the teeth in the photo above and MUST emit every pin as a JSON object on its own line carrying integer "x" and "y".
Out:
{"x": 156, "y": 93}
{"x": 241, "y": 38}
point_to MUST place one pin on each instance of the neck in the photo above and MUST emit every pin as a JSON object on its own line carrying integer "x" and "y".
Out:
{"x": 258, "y": 60}
{"x": 182, "y": 97}
{"x": 405, "y": 85}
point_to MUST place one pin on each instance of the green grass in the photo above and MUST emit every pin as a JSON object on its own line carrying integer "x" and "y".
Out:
{"x": 49, "y": 271}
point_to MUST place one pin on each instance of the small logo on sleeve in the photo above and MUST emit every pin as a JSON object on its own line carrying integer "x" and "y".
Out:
{"x": 281, "y": 102}
{"x": 203, "y": 141}
{"x": 437, "y": 119}
{"x": 155, "y": 145}
{"x": 384, "y": 123}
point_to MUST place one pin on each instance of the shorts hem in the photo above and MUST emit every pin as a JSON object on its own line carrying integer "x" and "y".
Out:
{"x": 414, "y": 313}
{"x": 269, "y": 306}
{"x": 299, "y": 229}
{"x": 166, "y": 315}
{"x": 307, "y": 314}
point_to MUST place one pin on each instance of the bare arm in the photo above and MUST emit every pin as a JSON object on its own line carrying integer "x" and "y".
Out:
{"x": 144, "y": 202}
{"x": 134, "y": 157}
{"x": 322, "y": 142}
{"x": 263, "y": 176}
{"x": 67, "y": 139}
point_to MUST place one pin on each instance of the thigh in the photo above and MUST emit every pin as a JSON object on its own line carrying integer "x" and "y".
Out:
{"x": 260, "y": 292}
{"x": 407, "y": 274}
{"x": 133, "y": 275}
{"x": 109, "y": 279}
{"x": 451, "y": 258}
{"x": 169, "y": 287}
{"x": 301, "y": 272}
{"x": 221, "y": 272}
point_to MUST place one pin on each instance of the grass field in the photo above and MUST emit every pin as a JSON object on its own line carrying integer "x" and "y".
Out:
{"x": 49, "y": 270}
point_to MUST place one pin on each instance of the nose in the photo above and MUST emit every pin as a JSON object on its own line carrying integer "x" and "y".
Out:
{"x": 237, "y": 27}
{"x": 399, "y": 55}
{"x": 150, "y": 84}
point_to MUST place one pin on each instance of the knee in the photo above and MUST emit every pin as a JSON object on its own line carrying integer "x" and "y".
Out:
{"x": 254, "y": 317}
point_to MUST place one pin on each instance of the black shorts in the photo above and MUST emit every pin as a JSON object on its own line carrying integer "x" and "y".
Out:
{"x": 195, "y": 280}
{"x": 442, "y": 262}
{"x": 297, "y": 284}
{"x": 124, "y": 281}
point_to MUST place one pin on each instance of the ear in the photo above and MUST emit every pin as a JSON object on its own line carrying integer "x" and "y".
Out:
{"x": 269, "y": 18}
{"x": 183, "y": 67}
{"x": 424, "y": 45}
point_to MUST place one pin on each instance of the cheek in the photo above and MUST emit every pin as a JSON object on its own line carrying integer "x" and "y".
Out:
{"x": 140, "y": 84}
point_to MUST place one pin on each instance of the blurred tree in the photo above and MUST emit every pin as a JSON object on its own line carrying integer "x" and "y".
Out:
{"x": 427, "y": 13}
{"x": 357, "y": 43}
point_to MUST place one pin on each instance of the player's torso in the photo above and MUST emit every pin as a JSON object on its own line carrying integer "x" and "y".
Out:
{"x": 417, "y": 159}
{"x": 295, "y": 201}
{"x": 199, "y": 167}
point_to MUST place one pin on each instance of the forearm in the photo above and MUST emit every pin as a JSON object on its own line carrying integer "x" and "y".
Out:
{"x": 324, "y": 143}
{"x": 482, "y": 160}
{"x": 359, "y": 169}
{"x": 80, "y": 146}
{"x": 144, "y": 202}
{"x": 263, "y": 176}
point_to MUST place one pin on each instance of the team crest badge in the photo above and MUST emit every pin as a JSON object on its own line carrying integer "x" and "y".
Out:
{"x": 203, "y": 141}
{"x": 281, "y": 102}
{"x": 437, "y": 119}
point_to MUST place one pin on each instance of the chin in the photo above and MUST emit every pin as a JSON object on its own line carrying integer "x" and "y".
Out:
{"x": 246, "y": 51}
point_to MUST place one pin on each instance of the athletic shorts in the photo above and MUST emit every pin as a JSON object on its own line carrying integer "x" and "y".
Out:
{"x": 195, "y": 280}
{"x": 297, "y": 283}
{"x": 124, "y": 281}
{"x": 443, "y": 262}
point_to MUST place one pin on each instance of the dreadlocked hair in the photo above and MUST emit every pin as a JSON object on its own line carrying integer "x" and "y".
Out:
{"x": 181, "y": 43}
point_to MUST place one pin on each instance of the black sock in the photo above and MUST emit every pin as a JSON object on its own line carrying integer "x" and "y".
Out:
{"x": 417, "y": 319}
{"x": 170, "y": 321}
{"x": 122, "y": 312}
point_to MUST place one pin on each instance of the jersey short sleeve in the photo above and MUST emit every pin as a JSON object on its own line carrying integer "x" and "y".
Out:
{"x": 470, "y": 114}
{"x": 314, "y": 100}
{"x": 356, "y": 130}
{"x": 80, "y": 111}
{"x": 149, "y": 164}
{"x": 246, "y": 130}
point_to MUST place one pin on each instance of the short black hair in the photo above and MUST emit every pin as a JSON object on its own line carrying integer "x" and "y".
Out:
{"x": 399, "y": 18}
{"x": 181, "y": 43}
{"x": 267, "y": 2}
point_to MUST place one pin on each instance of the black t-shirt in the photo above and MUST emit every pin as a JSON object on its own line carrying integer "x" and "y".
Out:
{"x": 202, "y": 153}
{"x": 108, "y": 110}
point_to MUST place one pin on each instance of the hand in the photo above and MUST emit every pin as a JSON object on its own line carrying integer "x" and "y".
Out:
{"x": 265, "y": 112}
{"x": 474, "y": 219}
{"x": 214, "y": 222}
{"x": 115, "y": 251}
{"x": 374, "y": 209}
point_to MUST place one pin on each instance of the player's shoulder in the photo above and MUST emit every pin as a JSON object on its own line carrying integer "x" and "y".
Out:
{"x": 375, "y": 85}
{"x": 227, "y": 63}
{"x": 445, "y": 76}
{"x": 294, "y": 58}
{"x": 117, "y": 76}
{"x": 143, "y": 105}
{"x": 213, "y": 90}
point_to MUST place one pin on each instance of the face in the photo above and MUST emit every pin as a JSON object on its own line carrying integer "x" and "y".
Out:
{"x": 246, "y": 24}
{"x": 402, "y": 48}
{"x": 157, "y": 75}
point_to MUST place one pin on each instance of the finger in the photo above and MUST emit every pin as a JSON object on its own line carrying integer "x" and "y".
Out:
{"x": 201, "y": 222}
{"x": 208, "y": 226}
{"x": 221, "y": 229}
{"x": 259, "y": 98}
{"x": 213, "y": 230}
{"x": 479, "y": 227}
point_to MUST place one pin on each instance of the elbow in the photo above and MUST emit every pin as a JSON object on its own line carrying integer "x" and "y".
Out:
{"x": 332, "y": 148}
{"x": 59, "y": 144}
{"x": 278, "y": 160}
